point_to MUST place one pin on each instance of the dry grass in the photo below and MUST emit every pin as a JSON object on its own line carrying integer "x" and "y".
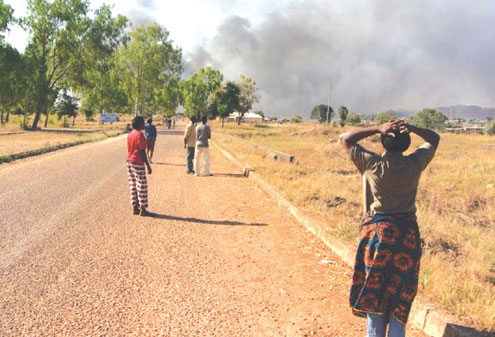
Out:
{"x": 456, "y": 204}
{"x": 10, "y": 144}
{"x": 81, "y": 123}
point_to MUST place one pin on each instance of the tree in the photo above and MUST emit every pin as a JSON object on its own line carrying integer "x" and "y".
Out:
{"x": 5, "y": 17}
{"x": 343, "y": 112}
{"x": 99, "y": 80}
{"x": 63, "y": 34}
{"x": 296, "y": 119}
{"x": 353, "y": 119}
{"x": 67, "y": 107}
{"x": 384, "y": 117}
{"x": 198, "y": 89}
{"x": 249, "y": 96}
{"x": 490, "y": 128}
{"x": 11, "y": 79}
{"x": 167, "y": 98}
{"x": 260, "y": 112}
{"x": 227, "y": 99}
{"x": 319, "y": 112}
{"x": 429, "y": 118}
{"x": 148, "y": 62}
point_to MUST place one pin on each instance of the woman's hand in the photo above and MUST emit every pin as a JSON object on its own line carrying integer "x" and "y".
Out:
{"x": 390, "y": 126}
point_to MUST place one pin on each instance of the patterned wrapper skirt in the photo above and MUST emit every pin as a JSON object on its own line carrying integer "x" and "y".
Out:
{"x": 386, "y": 270}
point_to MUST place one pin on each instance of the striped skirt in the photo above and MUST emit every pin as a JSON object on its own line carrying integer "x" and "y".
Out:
{"x": 385, "y": 280}
{"x": 138, "y": 185}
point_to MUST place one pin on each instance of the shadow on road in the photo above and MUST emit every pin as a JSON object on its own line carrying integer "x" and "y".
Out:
{"x": 231, "y": 175}
{"x": 169, "y": 164}
{"x": 208, "y": 222}
{"x": 167, "y": 132}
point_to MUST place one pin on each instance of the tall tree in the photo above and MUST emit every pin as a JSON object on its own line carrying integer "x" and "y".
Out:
{"x": 343, "y": 112}
{"x": 11, "y": 79}
{"x": 5, "y": 17}
{"x": 227, "y": 99}
{"x": 198, "y": 90}
{"x": 319, "y": 112}
{"x": 167, "y": 98}
{"x": 62, "y": 34}
{"x": 249, "y": 96}
{"x": 149, "y": 61}
{"x": 98, "y": 79}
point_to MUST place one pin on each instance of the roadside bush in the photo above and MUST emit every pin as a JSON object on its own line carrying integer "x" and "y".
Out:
{"x": 5, "y": 158}
{"x": 296, "y": 119}
{"x": 490, "y": 128}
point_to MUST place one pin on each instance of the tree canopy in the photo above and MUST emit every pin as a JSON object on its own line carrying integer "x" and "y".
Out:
{"x": 198, "y": 90}
{"x": 319, "y": 112}
{"x": 384, "y": 117}
{"x": 429, "y": 118}
{"x": 78, "y": 54}
{"x": 343, "y": 112}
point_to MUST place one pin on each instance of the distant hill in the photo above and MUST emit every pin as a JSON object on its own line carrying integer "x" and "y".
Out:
{"x": 455, "y": 111}
{"x": 467, "y": 111}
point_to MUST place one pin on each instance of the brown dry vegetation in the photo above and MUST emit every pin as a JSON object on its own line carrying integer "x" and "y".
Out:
{"x": 10, "y": 144}
{"x": 456, "y": 203}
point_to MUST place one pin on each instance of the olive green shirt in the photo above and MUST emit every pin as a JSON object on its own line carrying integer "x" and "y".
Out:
{"x": 190, "y": 135}
{"x": 392, "y": 178}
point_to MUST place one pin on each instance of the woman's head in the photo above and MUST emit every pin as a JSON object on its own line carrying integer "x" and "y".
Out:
{"x": 138, "y": 123}
{"x": 149, "y": 121}
{"x": 399, "y": 142}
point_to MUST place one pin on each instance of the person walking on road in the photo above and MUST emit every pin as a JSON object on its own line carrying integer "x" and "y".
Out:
{"x": 150, "y": 134}
{"x": 136, "y": 161}
{"x": 385, "y": 280}
{"x": 203, "y": 134}
{"x": 190, "y": 144}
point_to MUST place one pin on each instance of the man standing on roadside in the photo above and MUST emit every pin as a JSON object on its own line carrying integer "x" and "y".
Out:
{"x": 190, "y": 144}
{"x": 136, "y": 159}
{"x": 386, "y": 271}
{"x": 203, "y": 134}
{"x": 150, "y": 134}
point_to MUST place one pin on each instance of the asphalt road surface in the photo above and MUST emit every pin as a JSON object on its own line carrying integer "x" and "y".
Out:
{"x": 218, "y": 259}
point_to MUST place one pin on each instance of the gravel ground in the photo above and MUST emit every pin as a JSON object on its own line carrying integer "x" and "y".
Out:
{"x": 218, "y": 259}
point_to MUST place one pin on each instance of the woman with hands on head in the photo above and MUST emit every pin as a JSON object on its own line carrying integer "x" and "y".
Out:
{"x": 385, "y": 279}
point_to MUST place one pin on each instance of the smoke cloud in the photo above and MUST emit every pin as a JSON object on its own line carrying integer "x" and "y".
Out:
{"x": 376, "y": 55}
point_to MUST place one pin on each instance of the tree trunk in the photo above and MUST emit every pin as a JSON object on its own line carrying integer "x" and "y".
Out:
{"x": 239, "y": 119}
{"x": 1, "y": 117}
{"x": 74, "y": 121}
{"x": 223, "y": 121}
{"x": 36, "y": 119}
{"x": 8, "y": 116}
{"x": 46, "y": 119}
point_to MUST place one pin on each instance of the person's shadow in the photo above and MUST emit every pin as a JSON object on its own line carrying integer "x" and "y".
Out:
{"x": 203, "y": 221}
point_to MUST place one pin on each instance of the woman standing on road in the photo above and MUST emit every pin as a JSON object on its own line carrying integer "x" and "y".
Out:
{"x": 385, "y": 279}
{"x": 136, "y": 159}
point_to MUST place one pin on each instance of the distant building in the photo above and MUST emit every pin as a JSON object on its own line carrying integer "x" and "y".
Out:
{"x": 249, "y": 117}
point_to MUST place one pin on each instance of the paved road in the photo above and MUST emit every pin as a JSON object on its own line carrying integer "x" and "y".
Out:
{"x": 219, "y": 259}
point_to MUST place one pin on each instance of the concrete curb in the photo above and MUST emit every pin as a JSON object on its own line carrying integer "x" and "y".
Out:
{"x": 9, "y": 133}
{"x": 423, "y": 315}
{"x": 37, "y": 152}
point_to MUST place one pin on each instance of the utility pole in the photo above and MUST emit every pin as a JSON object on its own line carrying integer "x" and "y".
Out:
{"x": 328, "y": 106}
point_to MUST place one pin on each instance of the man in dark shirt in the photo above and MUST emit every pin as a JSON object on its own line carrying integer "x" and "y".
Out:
{"x": 150, "y": 134}
{"x": 203, "y": 134}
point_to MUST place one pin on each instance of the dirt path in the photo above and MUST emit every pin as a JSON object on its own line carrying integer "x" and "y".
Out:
{"x": 219, "y": 259}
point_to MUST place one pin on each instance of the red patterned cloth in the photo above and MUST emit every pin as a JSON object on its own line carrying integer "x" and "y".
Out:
{"x": 386, "y": 270}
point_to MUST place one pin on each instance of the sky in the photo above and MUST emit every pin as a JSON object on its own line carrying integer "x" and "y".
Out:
{"x": 370, "y": 56}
